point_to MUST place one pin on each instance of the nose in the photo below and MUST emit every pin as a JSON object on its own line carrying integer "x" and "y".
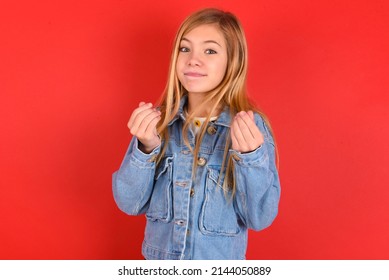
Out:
{"x": 194, "y": 59}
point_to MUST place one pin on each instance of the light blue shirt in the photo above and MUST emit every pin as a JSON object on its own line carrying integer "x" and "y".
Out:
{"x": 189, "y": 219}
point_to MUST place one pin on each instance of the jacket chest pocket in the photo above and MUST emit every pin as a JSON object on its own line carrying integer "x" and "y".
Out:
{"x": 218, "y": 216}
{"x": 161, "y": 205}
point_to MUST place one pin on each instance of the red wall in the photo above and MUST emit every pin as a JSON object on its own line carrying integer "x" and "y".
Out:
{"x": 71, "y": 72}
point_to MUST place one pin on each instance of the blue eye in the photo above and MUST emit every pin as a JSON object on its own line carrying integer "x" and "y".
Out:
{"x": 183, "y": 49}
{"x": 210, "y": 51}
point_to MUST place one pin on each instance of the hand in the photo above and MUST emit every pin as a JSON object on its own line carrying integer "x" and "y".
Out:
{"x": 143, "y": 125}
{"x": 245, "y": 134}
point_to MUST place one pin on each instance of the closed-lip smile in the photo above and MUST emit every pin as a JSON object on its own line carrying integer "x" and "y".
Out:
{"x": 194, "y": 74}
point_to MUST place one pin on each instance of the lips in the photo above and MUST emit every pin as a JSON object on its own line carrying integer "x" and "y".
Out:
{"x": 194, "y": 74}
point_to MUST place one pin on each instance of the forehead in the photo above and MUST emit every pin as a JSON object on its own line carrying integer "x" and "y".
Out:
{"x": 204, "y": 33}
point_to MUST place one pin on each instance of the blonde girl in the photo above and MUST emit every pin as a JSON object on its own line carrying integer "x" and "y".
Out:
{"x": 201, "y": 165}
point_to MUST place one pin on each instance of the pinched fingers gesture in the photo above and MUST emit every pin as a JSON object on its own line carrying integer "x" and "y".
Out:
{"x": 143, "y": 124}
{"x": 245, "y": 134}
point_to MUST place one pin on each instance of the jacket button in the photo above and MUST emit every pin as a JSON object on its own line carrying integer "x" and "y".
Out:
{"x": 180, "y": 222}
{"x": 192, "y": 192}
{"x": 211, "y": 130}
{"x": 201, "y": 161}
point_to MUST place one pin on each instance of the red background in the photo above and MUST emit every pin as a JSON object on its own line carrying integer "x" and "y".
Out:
{"x": 72, "y": 72}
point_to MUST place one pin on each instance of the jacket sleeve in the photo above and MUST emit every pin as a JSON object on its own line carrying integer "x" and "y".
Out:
{"x": 257, "y": 182}
{"x": 132, "y": 184}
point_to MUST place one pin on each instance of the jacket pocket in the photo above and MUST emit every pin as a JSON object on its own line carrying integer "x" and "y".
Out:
{"x": 218, "y": 216}
{"x": 160, "y": 208}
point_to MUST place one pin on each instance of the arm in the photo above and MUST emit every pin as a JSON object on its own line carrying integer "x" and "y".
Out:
{"x": 257, "y": 182}
{"x": 132, "y": 184}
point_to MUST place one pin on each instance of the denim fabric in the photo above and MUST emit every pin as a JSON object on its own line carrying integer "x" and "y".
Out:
{"x": 189, "y": 219}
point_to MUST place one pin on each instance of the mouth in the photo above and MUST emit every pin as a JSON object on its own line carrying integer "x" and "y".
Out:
{"x": 194, "y": 74}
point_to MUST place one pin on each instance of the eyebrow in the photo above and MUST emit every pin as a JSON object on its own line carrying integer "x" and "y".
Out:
{"x": 205, "y": 42}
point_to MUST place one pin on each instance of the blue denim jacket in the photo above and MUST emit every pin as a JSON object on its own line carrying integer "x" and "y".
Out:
{"x": 195, "y": 219}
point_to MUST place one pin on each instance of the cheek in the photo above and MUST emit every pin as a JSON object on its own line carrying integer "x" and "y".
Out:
{"x": 181, "y": 58}
{"x": 180, "y": 63}
{"x": 220, "y": 69}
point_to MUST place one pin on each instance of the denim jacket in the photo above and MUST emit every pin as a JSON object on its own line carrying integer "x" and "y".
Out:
{"x": 189, "y": 219}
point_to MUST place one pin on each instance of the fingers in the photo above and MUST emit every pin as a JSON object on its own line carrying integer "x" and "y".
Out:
{"x": 246, "y": 125}
{"x": 245, "y": 135}
{"x": 152, "y": 126}
{"x": 142, "y": 107}
{"x": 149, "y": 123}
{"x": 143, "y": 120}
{"x": 237, "y": 137}
{"x": 143, "y": 123}
{"x": 251, "y": 114}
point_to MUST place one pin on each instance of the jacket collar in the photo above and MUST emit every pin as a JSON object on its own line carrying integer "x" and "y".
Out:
{"x": 224, "y": 118}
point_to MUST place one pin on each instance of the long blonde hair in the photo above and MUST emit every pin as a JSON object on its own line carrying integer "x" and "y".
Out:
{"x": 230, "y": 92}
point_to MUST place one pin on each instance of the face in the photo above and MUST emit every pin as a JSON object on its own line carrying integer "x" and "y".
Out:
{"x": 202, "y": 59}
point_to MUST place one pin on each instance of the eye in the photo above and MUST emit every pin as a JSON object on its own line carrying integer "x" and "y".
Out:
{"x": 210, "y": 51}
{"x": 183, "y": 49}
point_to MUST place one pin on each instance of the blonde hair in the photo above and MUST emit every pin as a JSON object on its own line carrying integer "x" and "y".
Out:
{"x": 230, "y": 92}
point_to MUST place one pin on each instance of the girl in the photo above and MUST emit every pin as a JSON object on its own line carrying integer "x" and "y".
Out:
{"x": 201, "y": 165}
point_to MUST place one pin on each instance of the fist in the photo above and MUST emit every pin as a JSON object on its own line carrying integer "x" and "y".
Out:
{"x": 143, "y": 124}
{"x": 245, "y": 134}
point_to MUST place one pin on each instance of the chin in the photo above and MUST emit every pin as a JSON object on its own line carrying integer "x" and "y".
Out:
{"x": 198, "y": 89}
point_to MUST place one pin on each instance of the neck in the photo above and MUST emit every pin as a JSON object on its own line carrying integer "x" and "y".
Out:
{"x": 196, "y": 103}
